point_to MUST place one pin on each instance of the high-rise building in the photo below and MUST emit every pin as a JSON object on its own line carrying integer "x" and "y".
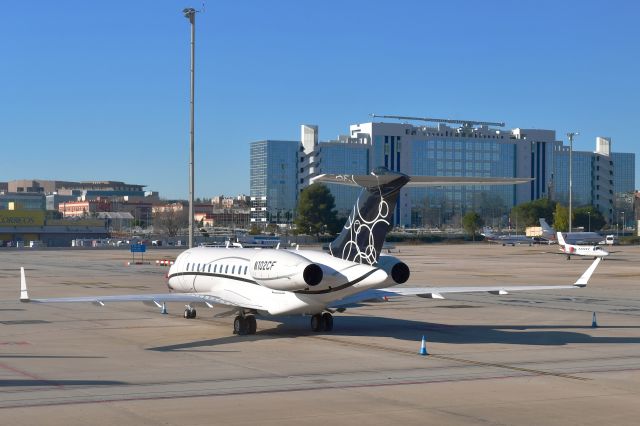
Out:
{"x": 601, "y": 178}
{"x": 273, "y": 180}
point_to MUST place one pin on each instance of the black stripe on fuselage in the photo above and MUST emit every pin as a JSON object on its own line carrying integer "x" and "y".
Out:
{"x": 206, "y": 274}
{"x": 338, "y": 288}
{"x": 233, "y": 277}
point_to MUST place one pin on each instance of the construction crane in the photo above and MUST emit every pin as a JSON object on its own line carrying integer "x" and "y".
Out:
{"x": 465, "y": 123}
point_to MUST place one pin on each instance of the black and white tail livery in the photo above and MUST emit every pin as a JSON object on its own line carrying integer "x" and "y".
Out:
{"x": 371, "y": 218}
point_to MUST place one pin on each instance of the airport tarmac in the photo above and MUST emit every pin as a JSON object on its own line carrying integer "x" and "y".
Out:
{"x": 524, "y": 358}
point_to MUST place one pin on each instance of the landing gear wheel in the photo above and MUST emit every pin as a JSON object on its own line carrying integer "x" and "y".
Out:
{"x": 317, "y": 323}
{"x": 240, "y": 325}
{"x": 251, "y": 324}
{"x": 327, "y": 319}
{"x": 189, "y": 313}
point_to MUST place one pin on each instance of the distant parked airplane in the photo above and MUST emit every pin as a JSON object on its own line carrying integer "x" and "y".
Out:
{"x": 571, "y": 237}
{"x": 506, "y": 240}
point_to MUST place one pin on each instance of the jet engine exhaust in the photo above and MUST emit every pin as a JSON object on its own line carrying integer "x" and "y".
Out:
{"x": 312, "y": 274}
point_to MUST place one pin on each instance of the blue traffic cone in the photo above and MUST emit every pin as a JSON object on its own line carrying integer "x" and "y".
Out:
{"x": 423, "y": 347}
{"x": 594, "y": 321}
{"x": 164, "y": 309}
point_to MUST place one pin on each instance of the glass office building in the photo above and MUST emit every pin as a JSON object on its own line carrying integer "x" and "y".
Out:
{"x": 582, "y": 177}
{"x": 281, "y": 169}
{"x": 273, "y": 180}
{"x": 624, "y": 171}
{"x": 464, "y": 151}
{"x": 343, "y": 158}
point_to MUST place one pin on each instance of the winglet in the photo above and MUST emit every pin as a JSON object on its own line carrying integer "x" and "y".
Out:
{"x": 24, "y": 294}
{"x": 584, "y": 279}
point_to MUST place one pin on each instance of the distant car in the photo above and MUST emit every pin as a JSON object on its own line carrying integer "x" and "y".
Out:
{"x": 610, "y": 240}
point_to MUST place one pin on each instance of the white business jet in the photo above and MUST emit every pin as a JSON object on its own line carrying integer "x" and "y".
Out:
{"x": 576, "y": 250}
{"x": 272, "y": 282}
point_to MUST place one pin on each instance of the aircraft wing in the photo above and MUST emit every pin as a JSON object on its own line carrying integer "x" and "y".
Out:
{"x": 419, "y": 181}
{"x": 157, "y": 299}
{"x": 439, "y": 292}
{"x": 463, "y": 180}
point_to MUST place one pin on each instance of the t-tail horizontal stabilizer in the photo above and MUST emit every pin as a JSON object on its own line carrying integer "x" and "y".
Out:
{"x": 372, "y": 216}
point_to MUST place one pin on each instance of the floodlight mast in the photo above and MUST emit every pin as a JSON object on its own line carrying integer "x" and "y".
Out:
{"x": 571, "y": 135}
{"x": 466, "y": 123}
{"x": 190, "y": 14}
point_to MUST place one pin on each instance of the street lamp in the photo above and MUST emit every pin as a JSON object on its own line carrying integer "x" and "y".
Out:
{"x": 570, "y": 135}
{"x": 589, "y": 213}
{"x": 190, "y": 14}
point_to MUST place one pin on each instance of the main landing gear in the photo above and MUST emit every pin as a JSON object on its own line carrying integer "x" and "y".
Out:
{"x": 322, "y": 322}
{"x": 189, "y": 312}
{"x": 244, "y": 324}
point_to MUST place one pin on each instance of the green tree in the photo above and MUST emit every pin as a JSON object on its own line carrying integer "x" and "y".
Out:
{"x": 589, "y": 218}
{"x": 561, "y": 218}
{"x": 316, "y": 211}
{"x": 471, "y": 222}
{"x": 529, "y": 214}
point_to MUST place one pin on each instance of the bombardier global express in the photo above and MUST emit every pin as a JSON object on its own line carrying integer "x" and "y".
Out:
{"x": 272, "y": 282}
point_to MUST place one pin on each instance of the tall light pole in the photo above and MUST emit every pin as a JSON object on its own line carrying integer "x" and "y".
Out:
{"x": 190, "y": 14}
{"x": 589, "y": 213}
{"x": 570, "y": 135}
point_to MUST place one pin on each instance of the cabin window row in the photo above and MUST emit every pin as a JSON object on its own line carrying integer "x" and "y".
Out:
{"x": 217, "y": 269}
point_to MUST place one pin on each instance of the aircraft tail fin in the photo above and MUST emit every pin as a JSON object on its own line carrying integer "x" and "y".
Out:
{"x": 24, "y": 293}
{"x": 561, "y": 240}
{"x": 371, "y": 219}
{"x": 547, "y": 230}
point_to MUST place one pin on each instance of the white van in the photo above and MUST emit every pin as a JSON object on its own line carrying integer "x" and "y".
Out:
{"x": 610, "y": 240}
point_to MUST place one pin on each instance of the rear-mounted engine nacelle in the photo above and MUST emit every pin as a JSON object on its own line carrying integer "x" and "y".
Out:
{"x": 397, "y": 270}
{"x": 283, "y": 270}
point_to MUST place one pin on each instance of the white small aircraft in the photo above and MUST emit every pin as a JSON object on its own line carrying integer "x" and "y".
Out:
{"x": 272, "y": 282}
{"x": 576, "y": 250}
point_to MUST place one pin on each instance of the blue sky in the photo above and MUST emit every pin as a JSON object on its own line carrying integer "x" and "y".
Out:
{"x": 100, "y": 90}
